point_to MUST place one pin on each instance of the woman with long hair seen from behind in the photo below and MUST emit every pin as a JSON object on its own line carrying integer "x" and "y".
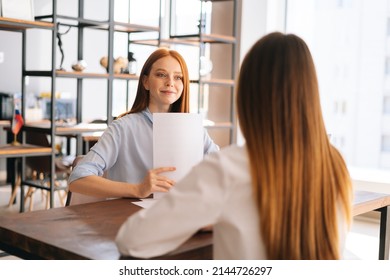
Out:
{"x": 285, "y": 194}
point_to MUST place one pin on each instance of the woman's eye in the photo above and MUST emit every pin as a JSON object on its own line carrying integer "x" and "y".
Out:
{"x": 162, "y": 75}
{"x": 179, "y": 78}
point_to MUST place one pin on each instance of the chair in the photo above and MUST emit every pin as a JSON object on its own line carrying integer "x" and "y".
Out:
{"x": 78, "y": 198}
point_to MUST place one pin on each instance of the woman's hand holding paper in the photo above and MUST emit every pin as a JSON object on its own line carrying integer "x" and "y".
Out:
{"x": 155, "y": 182}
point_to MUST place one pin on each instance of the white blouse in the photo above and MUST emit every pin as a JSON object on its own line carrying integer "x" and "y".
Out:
{"x": 216, "y": 192}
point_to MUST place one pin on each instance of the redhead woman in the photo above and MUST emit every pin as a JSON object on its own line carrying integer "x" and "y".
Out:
{"x": 124, "y": 152}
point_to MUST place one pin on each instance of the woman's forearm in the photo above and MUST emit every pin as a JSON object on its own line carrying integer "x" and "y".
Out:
{"x": 101, "y": 187}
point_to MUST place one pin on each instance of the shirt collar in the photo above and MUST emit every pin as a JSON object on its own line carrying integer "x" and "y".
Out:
{"x": 148, "y": 115}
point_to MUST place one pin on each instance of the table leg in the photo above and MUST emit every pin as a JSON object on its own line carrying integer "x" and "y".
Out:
{"x": 14, "y": 178}
{"x": 384, "y": 233}
{"x": 22, "y": 186}
{"x": 15, "y": 187}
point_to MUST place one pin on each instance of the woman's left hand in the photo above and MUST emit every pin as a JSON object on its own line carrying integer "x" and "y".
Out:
{"x": 155, "y": 182}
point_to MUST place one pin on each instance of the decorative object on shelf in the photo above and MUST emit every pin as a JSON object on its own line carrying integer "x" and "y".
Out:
{"x": 17, "y": 123}
{"x": 104, "y": 62}
{"x": 120, "y": 64}
{"x": 59, "y": 34}
{"x": 20, "y": 9}
{"x": 132, "y": 65}
{"x": 79, "y": 65}
{"x": 206, "y": 66}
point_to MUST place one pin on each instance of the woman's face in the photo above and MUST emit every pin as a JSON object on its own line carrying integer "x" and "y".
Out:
{"x": 165, "y": 84}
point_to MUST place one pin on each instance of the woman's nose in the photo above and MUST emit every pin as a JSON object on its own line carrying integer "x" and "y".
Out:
{"x": 170, "y": 81}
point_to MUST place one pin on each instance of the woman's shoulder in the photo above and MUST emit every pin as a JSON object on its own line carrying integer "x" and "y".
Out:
{"x": 233, "y": 150}
{"x": 131, "y": 116}
{"x": 232, "y": 154}
{"x": 129, "y": 120}
{"x": 230, "y": 164}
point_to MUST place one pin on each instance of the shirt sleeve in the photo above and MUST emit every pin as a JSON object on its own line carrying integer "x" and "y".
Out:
{"x": 101, "y": 156}
{"x": 209, "y": 145}
{"x": 90, "y": 164}
{"x": 196, "y": 201}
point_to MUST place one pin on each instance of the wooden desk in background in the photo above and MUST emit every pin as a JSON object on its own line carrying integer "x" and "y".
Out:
{"x": 25, "y": 150}
{"x": 17, "y": 152}
{"x": 5, "y": 123}
{"x": 65, "y": 129}
{"x": 88, "y": 231}
{"x": 88, "y": 132}
{"x": 69, "y": 131}
{"x": 90, "y": 138}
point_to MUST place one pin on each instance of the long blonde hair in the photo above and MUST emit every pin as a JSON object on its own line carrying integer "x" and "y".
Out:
{"x": 299, "y": 179}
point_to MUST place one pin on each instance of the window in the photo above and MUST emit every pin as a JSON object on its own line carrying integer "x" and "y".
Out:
{"x": 349, "y": 43}
{"x": 386, "y": 105}
{"x": 386, "y": 143}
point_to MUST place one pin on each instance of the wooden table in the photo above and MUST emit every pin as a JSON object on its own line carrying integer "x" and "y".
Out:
{"x": 85, "y": 231}
{"x": 69, "y": 131}
{"x": 10, "y": 151}
{"x": 370, "y": 201}
{"x": 18, "y": 152}
{"x": 5, "y": 123}
{"x": 88, "y": 231}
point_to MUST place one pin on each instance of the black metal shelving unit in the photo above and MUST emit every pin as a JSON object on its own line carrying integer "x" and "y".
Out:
{"x": 50, "y": 22}
{"x": 22, "y": 26}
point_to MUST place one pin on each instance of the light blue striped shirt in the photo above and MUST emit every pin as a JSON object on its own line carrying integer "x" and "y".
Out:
{"x": 125, "y": 150}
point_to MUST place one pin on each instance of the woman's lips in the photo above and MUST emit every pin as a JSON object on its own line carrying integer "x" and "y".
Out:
{"x": 168, "y": 92}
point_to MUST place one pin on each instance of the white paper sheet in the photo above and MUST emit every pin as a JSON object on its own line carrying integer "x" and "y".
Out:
{"x": 178, "y": 142}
